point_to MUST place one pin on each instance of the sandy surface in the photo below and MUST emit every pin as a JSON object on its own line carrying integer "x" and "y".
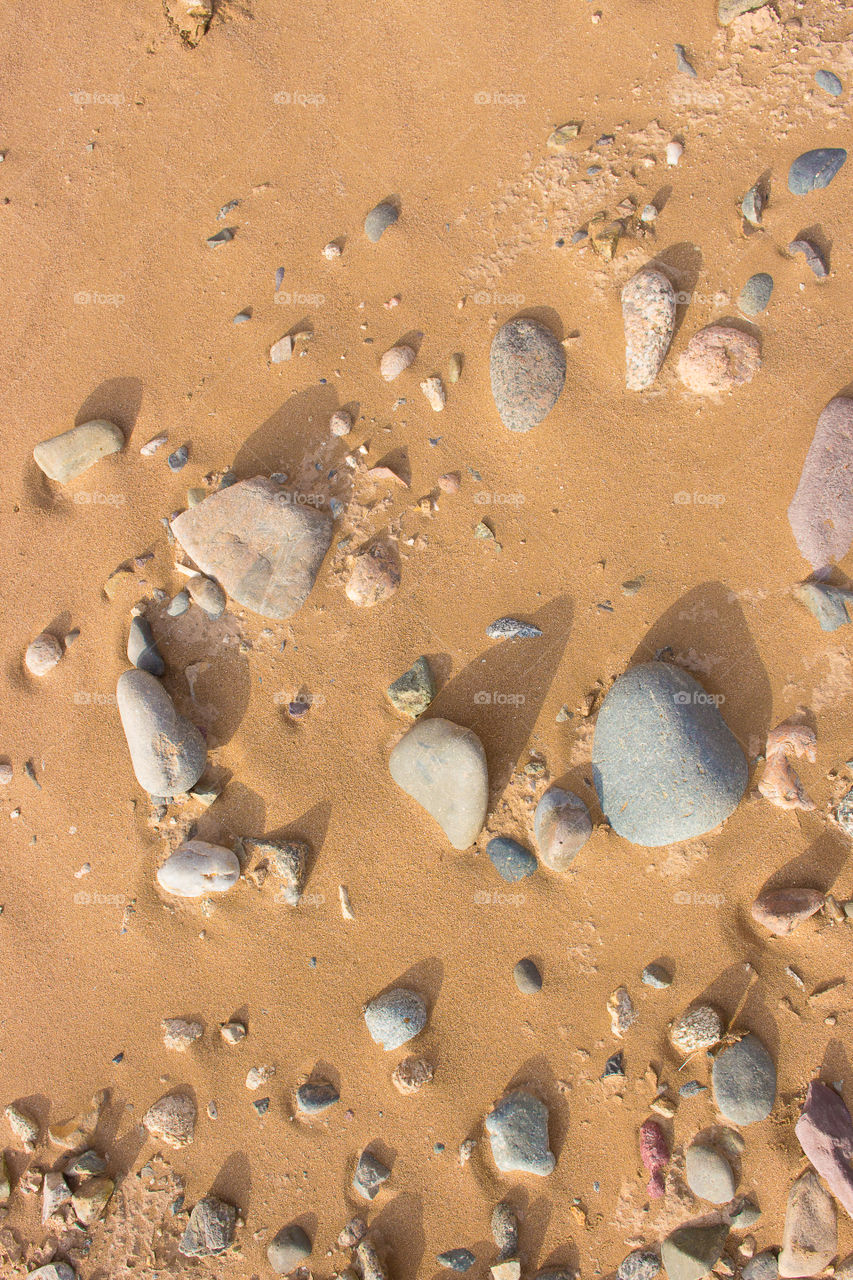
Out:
{"x": 309, "y": 115}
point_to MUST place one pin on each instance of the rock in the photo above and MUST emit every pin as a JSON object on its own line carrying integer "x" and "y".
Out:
{"x": 142, "y": 648}
{"x": 87, "y": 1164}
{"x": 332, "y": 251}
{"x": 281, "y": 350}
{"x": 179, "y": 1034}
{"x": 379, "y": 219}
{"x": 24, "y": 1126}
{"x": 665, "y": 764}
{"x": 744, "y": 1081}
{"x": 208, "y": 595}
{"x": 527, "y": 366}
{"x": 690, "y": 1252}
{"x": 375, "y": 575}
{"x": 155, "y": 443}
{"x": 456, "y": 1259}
{"x": 648, "y": 312}
{"x": 287, "y": 1249}
{"x": 412, "y": 692}
{"x": 370, "y": 1173}
{"x": 682, "y": 62}
{"x": 814, "y": 170}
{"x": 369, "y": 1263}
{"x": 42, "y": 654}
{"x": 781, "y": 910}
{"x": 68, "y": 455}
{"x": 810, "y": 1239}
{"x": 830, "y": 83}
{"x": 825, "y": 1132}
{"x": 639, "y": 1265}
{"x": 395, "y": 1017}
{"x": 340, "y": 423}
{"x": 621, "y": 1010}
{"x": 232, "y": 1032}
{"x": 167, "y": 752}
{"x": 614, "y": 1066}
{"x": 178, "y": 460}
{"x": 410, "y": 1075}
{"x": 190, "y": 19}
{"x": 728, "y": 10}
{"x": 262, "y": 547}
{"x": 562, "y": 827}
{"x": 6, "y": 773}
{"x": 315, "y": 1096}
{"x": 91, "y": 1198}
{"x": 518, "y": 1131}
{"x": 830, "y": 605}
{"x": 709, "y": 1174}
{"x": 654, "y": 975}
{"x": 812, "y": 255}
{"x": 77, "y": 1133}
{"x": 512, "y": 629}
{"x": 454, "y": 366}
{"x": 764, "y": 1266}
{"x": 5, "y": 1180}
{"x": 433, "y": 389}
{"x": 509, "y": 1270}
{"x": 197, "y": 868}
{"x": 172, "y": 1119}
{"x": 288, "y": 859}
{"x": 355, "y": 1230}
{"x": 55, "y": 1192}
{"x": 718, "y": 358}
{"x": 752, "y": 206}
{"x": 178, "y": 605}
{"x": 256, "y": 1076}
{"x": 755, "y": 294}
{"x": 821, "y": 512}
{"x": 844, "y": 1270}
{"x": 528, "y": 979}
{"x": 210, "y": 1230}
{"x": 655, "y": 1155}
{"x": 510, "y": 859}
{"x": 394, "y": 361}
{"x": 53, "y": 1271}
{"x": 698, "y": 1028}
{"x": 505, "y": 1230}
{"x": 745, "y": 1214}
{"x": 443, "y": 768}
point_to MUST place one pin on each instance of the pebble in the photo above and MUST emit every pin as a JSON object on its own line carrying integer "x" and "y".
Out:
{"x": 518, "y": 1131}
{"x": 456, "y": 1259}
{"x": 621, "y": 1010}
{"x": 42, "y": 654}
{"x": 528, "y": 979}
{"x": 287, "y": 1249}
{"x": 91, "y": 1198}
{"x": 527, "y": 367}
{"x": 379, "y": 219}
{"x": 698, "y": 1028}
{"x": 681, "y": 61}
{"x": 825, "y": 1133}
{"x": 332, "y": 251}
{"x": 443, "y": 767}
{"x": 207, "y": 594}
{"x": 142, "y": 648}
{"x": 340, "y": 423}
{"x": 155, "y": 443}
{"x": 512, "y": 629}
{"x": 690, "y": 1252}
{"x": 167, "y": 752}
{"x": 781, "y": 910}
{"x": 179, "y": 459}
{"x": 562, "y": 826}
{"x": 718, "y": 358}
{"x": 639, "y": 1265}
{"x": 394, "y": 361}
{"x": 281, "y": 350}
{"x": 55, "y": 1193}
{"x": 355, "y": 1230}
{"x": 821, "y": 511}
{"x": 197, "y": 868}
{"x": 655, "y": 1155}
{"x": 454, "y": 366}
{"x": 830, "y": 605}
{"x": 829, "y": 82}
{"x": 752, "y": 205}
{"x": 395, "y": 1017}
{"x": 614, "y": 1066}
{"x": 560, "y": 137}
{"x": 412, "y": 692}
{"x": 369, "y": 1263}
{"x": 674, "y": 152}
{"x": 654, "y": 975}
{"x": 728, "y": 10}
{"x": 504, "y": 1225}
{"x": 288, "y": 859}
{"x": 755, "y": 294}
{"x": 648, "y": 312}
{"x": 172, "y": 1119}
{"x": 221, "y": 237}
{"x": 178, "y": 605}
{"x": 179, "y": 1034}
{"x": 263, "y": 549}
{"x": 510, "y": 859}
{"x": 232, "y": 1032}
{"x": 315, "y": 1096}
{"x": 649, "y": 213}
{"x": 210, "y": 1230}
{"x": 195, "y": 496}
{"x": 242, "y": 317}
{"x": 764, "y": 1266}
{"x": 665, "y": 764}
{"x": 810, "y": 1238}
{"x": 375, "y": 575}
{"x": 746, "y": 1214}
{"x": 814, "y": 170}
{"x": 410, "y": 1075}
{"x": 370, "y": 1173}
{"x": 6, "y": 773}
{"x": 68, "y": 455}
{"x": 24, "y": 1126}
{"x": 53, "y": 1271}
{"x": 691, "y": 1088}
{"x": 709, "y": 1174}
{"x": 433, "y": 389}
{"x": 743, "y": 1078}
{"x": 256, "y": 1076}
{"x": 812, "y": 255}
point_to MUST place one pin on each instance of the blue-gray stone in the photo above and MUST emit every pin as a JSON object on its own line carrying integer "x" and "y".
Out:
{"x": 614, "y": 1066}
{"x": 828, "y": 604}
{"x": 512, "y": 629}
{"x": 755, "y": 294}
{"x": 518, "y": 1130}
{"x": 142, "y": 648}
{"x": 379, "y": 220}
{"x": 395, "y": 1017}
{"x": 690, "y": 1252}
{"x": 639, "y": 1265}
{"x": 665, "y": 764}
{"x": 814, "y": 170}
{"x": 178, "y": 604}
{"x": 691, "y": 1088}
{"x": 370, "y": 1173}
{"x": 829, "y": 82}
{"x": 764, "y": 1266}
{"x": 316, "y": 1095}
{"x": 179, "y": 458}
{"x": 510, "y": 859}
{"x": 528, "y": 979}
{"x": 654, "y": 975}
{"x": 744, "y": 1081}
{"x": 456, "y": 1259}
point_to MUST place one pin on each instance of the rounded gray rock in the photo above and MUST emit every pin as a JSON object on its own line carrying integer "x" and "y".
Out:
{"x": 528, "y": 979}
{"x": 814, "y": 170}
{"x": 510, "y": 859}
{"x": 755, "y": 294}
{"x": 167, "y": 751}
{"x": 395, "y": 1017}
{"x": 518, "y": 1131}
{"x": 505, "y": 1230}
{"x": 562, "y": 827}
{"x": 315, "y": 1096}
{"x": 709, "y": 1174}
{"x": 666, "y": 765}
{"x": 287, "y": 1249}
{"x": 443, "y": 767}
{"x": 527, "y": 367}
{"x": 379, "y": 219}
{"x": 744, "y": 1081}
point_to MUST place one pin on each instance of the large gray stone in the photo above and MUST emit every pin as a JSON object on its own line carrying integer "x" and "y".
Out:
{"x": 167, "y": 752}
{"x": 518, "y": 1131}
{"x": 690, "y": 1252}
{"x": 814, "y": 170}
{"x": 263, "y": 546}
{"x": 744, "y": 1081}
{"x": 810, "y": 1239}
{"x": 68, "y": 455}
{"x": 395, "y": 1017}
{"x": 527, "y": 366}
{"x": 443, "y": 767}
{"x": 821, "y": 511}
{"x": 665, "y": 764}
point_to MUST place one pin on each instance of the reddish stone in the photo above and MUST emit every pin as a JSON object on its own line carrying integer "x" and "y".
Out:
{"x": 781, "y": 910}
{"x": 825, "y": 1132}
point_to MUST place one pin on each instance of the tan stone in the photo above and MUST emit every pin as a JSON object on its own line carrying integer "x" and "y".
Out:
{"x": 781, "y": 910}
{"x": 718, "y": 358}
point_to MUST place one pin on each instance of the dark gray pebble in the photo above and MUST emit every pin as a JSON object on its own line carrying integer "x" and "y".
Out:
{"x": 812, "y": 255}
{"x": 614, "y": 1066}
{"x": 370, "y": 1173}
{"x": 691, "y": 1088}
{"x": 814, "y": 170}
{"x": 681, "y": 62}
{"x": 528, "y": 979}
{"x": 221, "y": 237}
{"x": 379, "y": 220}
{"x": 510, "y": 859}
{"x": 511, "y": 629}
{"x": 457, "y": 1259}
{"x": 178, "y": 604}
{"x": 315, "y": 1096}
{"x": 654, "y": 975}
{"x": 755, "y": 294}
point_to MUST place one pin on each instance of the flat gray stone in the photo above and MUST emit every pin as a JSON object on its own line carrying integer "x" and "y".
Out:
{"x": 68, "y": 455}
{"x": 755, "y": 294}
{"x": 814, "y": 170}
{"x": 510, "y": 859}
{"x": 210, "y": 1230}
{"x": 370, "y": 1173}
{"x": 665, "y": 764}
{"x": 810, "y": 1239}
{"x": 167, "y": 752}
{"x": 828, "y": 604}
{"x": 443, "y": 767}
{"x": 562, "y": 826}
{"x": 648, "y": 313}
{"x": 379, "y": 220}
{"x": 395, "y": 1017}
{"x": 315, "y": 1096}
{"x": 744, "y": 1081}
{"x": 764, "y": 1266}
{"x": 287, "y": 1249}
{"x": 639, "y": 1265}
{"x": 456, "y": 1259}
{"x": 821, "y": 511}
{"x": 709, "y": 1174}
{"x": 527, "y": 367}
{"x": 829, "y": 82}
{"x": 690, "y": 1252}
{"x": 261, "y": 545}
{"x": 518, "y": 1131}
{"x": 654, "y": 975}
{"x": 413, "y": 691}
{"x": 142, "y": 648}
{"x": 728, "y": 10}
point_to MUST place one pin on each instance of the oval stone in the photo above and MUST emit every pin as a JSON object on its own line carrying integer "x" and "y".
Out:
{"x": 744, "y": 1081}
{"x": 379, "y": 219}
{"x": 518, "y": 1131}
{"x": 395, "y": 1017}
{"x": 814, "y": 170}
{"x": 666, "y": 765}
{"x": 197, "y": 868}
{"x": 648, "y": 313}
{"x": 510, "y": 859}
{"x": 65, "y": 456}
{"x": 443, "y": 767}
{"x": 167, "y": 752}
{"x": 527, "y": 366}
{"x": 821, "y": 511}
{"x": 709, "y": 1174}
{"x": 755, "y": 294}
{"x": 562, "y": 825}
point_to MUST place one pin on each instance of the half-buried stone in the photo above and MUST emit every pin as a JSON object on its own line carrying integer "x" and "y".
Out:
{"x": 690, "y": 1252}
{"x": 744, "y": 1081}
{"x": 510, "y": 859}
{"x": 167, "y": 752}
{"x": 814, "y": 170}
{"x": 665, "y": 764}
{"x": 443, "y": 767}
{"x": 518, "y": 1131}
{"x": 262, "y": 547}
{"x": 562, "y": 826}
{"x": 527, "y": 367}
{"x": 395, "y": 1017}
{"x": 821, "y": 511}
{"x": 70, "y": 454}
{"x": 198, "y": 868}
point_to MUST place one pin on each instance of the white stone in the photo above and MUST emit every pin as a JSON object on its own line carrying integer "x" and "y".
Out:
{"x": 198, "y": 868}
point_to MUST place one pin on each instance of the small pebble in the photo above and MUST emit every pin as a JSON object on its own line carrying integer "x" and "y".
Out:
{"x": 178, "y": 604}
{"x": 340, "y": 423}
{"x": 394, "y": 361}
{"x": 654, "y": 975}
{"x": 681, "y": 62}
{"x": 179, "y": 458}
{"x": 456, "y": 1259}
{"x": 142, "y": 648}
{"x": 691, "y": 1088}
{"x": 288, "y": 1249}
{"x": 42, "y": 654}
{"x": 755, "y": 294}
{"x": 510, "y": 859}
{"x": 242, "y": 317}
{"x": 6, "y": 773}
{"x": 370, "y": 1173}
{"x": 434, "y": 391}
{"x": 814, "y": 170}
{"x": 528, "y": 979}
{"x": 153, "y": 445}
{"x": 454, "y": 367}
{"x": 262, "y": 1106}
{"x": 208, "y": 595}
{"x": 232, "y": 1032}
{"x": 752, "y": 206}
{"x": 674, "y": 152}
{"x": 512, "y": 629}
{"x": 829, "y": 82}
{"x": 505, "y": 1230}
{"x": 281, "y": 350}
{"x": 614, "y": 1066}
{"x": 395, "y": 1017}
{"x": 812, "y": 255}
{"x": 315, "y": 1096}
{"x": 699, "y": 1028}
{"x": 332, "y": 251}
{"x": 649, "y": 213}
{"x": 379, "y": 220}
{"x": 410, "y": 1075}
{"x": 179, "y": 1034}
{"x": 221, "y": 237}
